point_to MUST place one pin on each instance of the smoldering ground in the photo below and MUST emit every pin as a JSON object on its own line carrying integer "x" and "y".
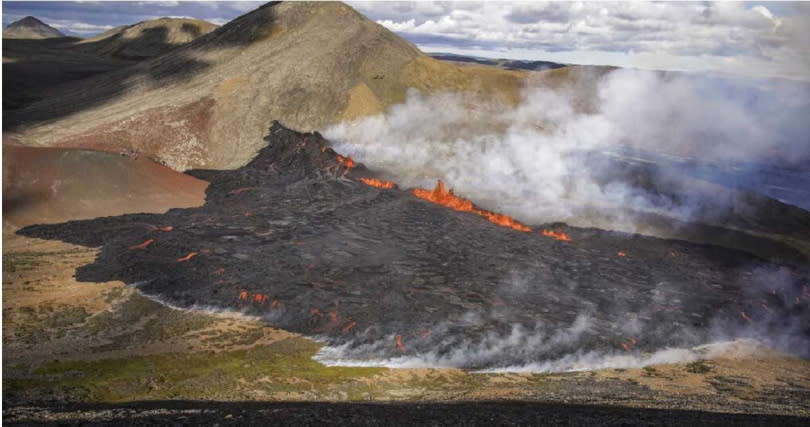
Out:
{"x": 297, "y": 237}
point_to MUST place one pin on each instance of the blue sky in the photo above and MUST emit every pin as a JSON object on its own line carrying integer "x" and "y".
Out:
{"x": 756, "y": 38}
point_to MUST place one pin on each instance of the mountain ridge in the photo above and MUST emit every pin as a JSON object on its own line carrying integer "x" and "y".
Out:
{"x": 206, "y": 103}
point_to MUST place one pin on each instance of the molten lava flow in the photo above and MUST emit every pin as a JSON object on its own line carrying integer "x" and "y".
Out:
{"x": 559, "y": 235}
{"x": 315, "y": 312}
{"x": 346, "y": 161}
{"x": 503, "y": 220}
{"x": 275, "y": 303}
{"x": 374, "y": 182}
{"x": 187, "y": 257}
{"x": 745, "y": 317}
{"x": 401, "y": 346}
{"x": 629, "y": 344}
{"x": 348, "y": 328}
{"x": 446, "y": 198}
{"x": 242, "y": 190}
{"x": 243, "y": 295}
{"x": 621, "y": 254}
{"x": 166, "y": 228}
{"x": 143, "y": 245}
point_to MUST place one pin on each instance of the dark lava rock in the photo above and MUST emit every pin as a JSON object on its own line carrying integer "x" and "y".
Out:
{"x": 297, "y": 238}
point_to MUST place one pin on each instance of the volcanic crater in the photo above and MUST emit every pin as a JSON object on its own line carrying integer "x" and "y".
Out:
{"x": 316, "y": 243}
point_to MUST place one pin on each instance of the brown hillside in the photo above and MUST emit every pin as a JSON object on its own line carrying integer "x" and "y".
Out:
{"x": 44, "y": 185}
{"x": 208, "y": 103}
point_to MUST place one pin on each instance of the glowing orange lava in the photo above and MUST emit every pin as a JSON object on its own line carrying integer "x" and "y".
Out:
{"x": 559, "y": 235}
{"x": 243, "y": 295}
{"x": 187, "y": 257}
{"x": 348, "y": 328}
{"x": 441, "y": 196}
{"x": 621, "y": 254}
{"x": 242, "y": 190}
{"x": 166, "y": 228}
{"x": 401, "y": 346}
{"x": 629, "y": 344}
{"x": 143, "y": 245}
{"x": 374, "y": 182}
{"x": 346, "y": 161}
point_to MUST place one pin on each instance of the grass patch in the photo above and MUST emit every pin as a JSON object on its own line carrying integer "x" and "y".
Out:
{"x": 699, "y": 367}
{"x": 282, "y": 367}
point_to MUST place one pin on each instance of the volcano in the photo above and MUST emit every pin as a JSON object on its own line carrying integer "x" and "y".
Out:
{"x": 316, "y": 243}
{"x": 30, "y": 28}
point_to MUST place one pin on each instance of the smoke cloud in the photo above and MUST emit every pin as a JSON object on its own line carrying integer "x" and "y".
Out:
{"x": 625, "y": 145}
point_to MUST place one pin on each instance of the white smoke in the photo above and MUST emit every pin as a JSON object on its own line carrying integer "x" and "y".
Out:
{"x": 527, "y": 160}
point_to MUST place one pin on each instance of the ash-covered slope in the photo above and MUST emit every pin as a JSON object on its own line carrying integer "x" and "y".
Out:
{"x": 30, "y": 28}
{"x": 206, "y": 103}
{"x": 298, "y": 237}
{"x": 146, "y": 39}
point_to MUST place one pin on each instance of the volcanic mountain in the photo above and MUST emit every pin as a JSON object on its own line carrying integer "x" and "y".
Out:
{"x": 146, "y": 39}
{"x": 318, "y": 244}
{"x": 30, "y": 28}
{"x": 206, "y": 103}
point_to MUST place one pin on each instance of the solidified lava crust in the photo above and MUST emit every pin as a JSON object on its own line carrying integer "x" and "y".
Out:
{"x": 295, "y": 236}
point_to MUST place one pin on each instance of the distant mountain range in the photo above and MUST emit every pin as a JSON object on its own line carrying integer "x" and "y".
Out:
{"x": 509, "y": 64}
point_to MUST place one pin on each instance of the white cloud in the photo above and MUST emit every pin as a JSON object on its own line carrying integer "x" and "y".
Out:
{"x": 655, "y": 35}
{"x": 78, "y": 27}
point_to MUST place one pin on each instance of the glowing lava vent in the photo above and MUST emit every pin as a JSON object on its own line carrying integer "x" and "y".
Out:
{"x": 446, "y": 198}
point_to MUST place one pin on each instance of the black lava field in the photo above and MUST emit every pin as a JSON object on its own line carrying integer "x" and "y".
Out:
{"x": 297, "y": 238}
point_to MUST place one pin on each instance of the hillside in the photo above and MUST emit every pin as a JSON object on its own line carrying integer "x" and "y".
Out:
{"x": 33, "y": 67}
{"x": 207, "y": 103}
{"x": 30, "y": 28}
{"x": 56, "y": 184}
{"x": 146, "y": 39}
